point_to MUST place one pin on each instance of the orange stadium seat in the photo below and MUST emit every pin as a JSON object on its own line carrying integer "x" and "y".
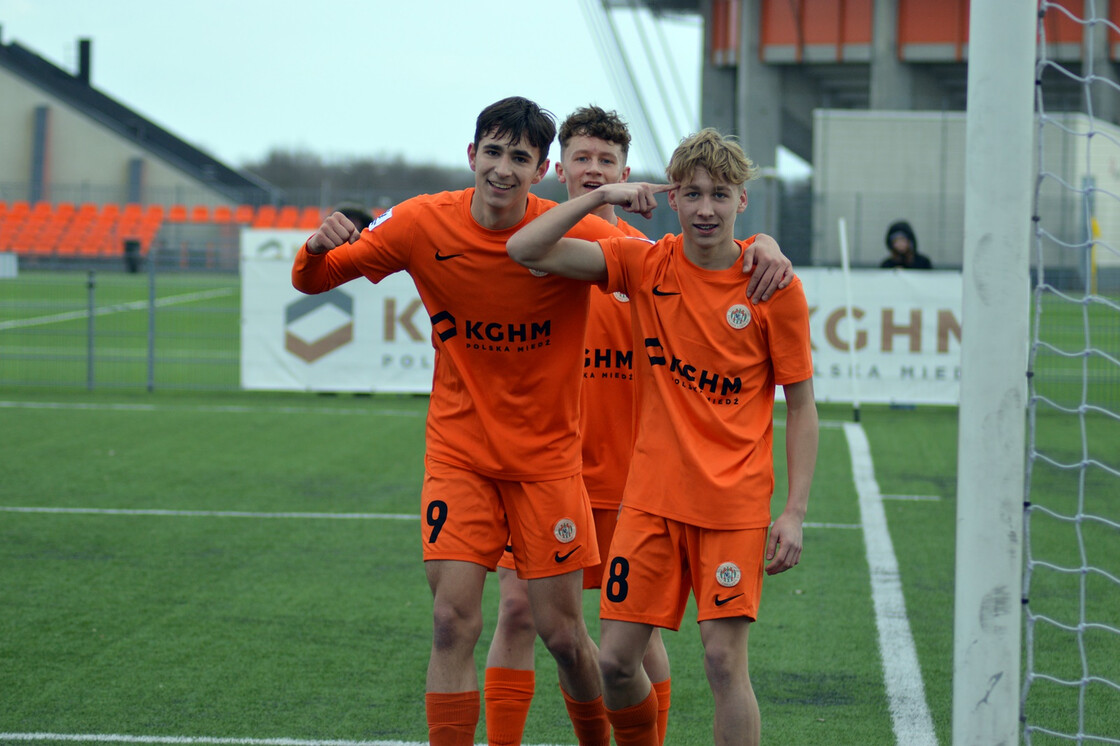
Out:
{"x": 266, "y": 217}
{"x": 288, "y": 217}
{"x": 200, "y": 214}
{"x": 310, "y": 218}
{"x": 64, "y": 212}
{"x": 223, "y": 214}
{"x": 243, "y": 214}
{"x": 132, "y": 213}
{"x": 177, "y": 214}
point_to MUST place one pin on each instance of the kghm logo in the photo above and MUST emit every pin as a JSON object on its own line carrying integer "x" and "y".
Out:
{"x": 495, "y": 331}
{"x": 474, "y": 332}
{"x": 693, "y": 377}
{"x": 331, "y": 312}
{"x": 606, "y": 358}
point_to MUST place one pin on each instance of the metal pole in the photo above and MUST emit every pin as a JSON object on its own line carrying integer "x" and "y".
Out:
{"x": 152, "y": 318}
{"x": 90, "y": 305}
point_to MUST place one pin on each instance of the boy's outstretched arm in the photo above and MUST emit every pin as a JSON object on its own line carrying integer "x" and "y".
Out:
{"x": 541, "y": 244}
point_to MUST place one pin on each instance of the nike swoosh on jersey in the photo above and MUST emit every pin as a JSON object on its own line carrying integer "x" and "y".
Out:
{"x": 444, "y": 257}
{"x": 722, "y": 601}
{"x": 658, "y": 291}
{"x": 562, "y": 557}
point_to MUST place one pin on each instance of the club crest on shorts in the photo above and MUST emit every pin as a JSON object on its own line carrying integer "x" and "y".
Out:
{"x": 538, "y": 273}
{"x": 728, "y": 574}
{"x": 738, "y": 316}
{"x": 564, "y": 530}
{"x": 621, "y": 297}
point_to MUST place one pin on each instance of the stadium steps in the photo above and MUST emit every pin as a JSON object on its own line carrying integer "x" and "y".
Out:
{"x": 90, "y": 230}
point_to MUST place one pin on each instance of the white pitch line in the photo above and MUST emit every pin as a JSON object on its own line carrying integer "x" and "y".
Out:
{"x": 199, "y": 740}
{"x": 136, "y": 305}
{"x": 910, "y": 715}
{"x": 916, "y": 498}
{"x": 212, "y": 513}
{"x": 215, "y": 408}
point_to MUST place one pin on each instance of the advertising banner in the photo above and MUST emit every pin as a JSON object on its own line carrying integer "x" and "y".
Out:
{"x": 359, "y": 337}
{"x": 377, "y": 338}
{"x": 907, "y": 335}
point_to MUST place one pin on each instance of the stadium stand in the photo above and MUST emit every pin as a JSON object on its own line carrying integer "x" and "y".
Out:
{"x": 90, "y": 230}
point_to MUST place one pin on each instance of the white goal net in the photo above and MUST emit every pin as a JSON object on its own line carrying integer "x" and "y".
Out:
{"x": 1071, "y": 549}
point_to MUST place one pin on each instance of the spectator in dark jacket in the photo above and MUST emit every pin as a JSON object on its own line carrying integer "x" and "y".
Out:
{"x": 903, "y": 247}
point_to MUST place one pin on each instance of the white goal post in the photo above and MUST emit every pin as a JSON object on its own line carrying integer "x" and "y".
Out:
{"x": 994, "y": 350}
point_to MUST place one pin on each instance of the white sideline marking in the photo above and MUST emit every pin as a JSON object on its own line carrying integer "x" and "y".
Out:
{"x": 902, "y": 675}
{"x": 200, "y": 740}
{"x": 212, "y": 513}
{"x": 118, "y": 738}
{"x": 219, "y": 408}
{"x": 135, "y": 305}
{"x": 922, "y": 498}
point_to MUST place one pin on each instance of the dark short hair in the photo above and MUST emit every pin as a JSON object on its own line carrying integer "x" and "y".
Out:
{"x": 517, "y": 119}
{"x": 592, "y": 121}
{"x": 358, "y": 215}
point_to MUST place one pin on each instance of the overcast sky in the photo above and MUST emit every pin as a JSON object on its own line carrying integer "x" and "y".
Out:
{"x": 351, "y": 78}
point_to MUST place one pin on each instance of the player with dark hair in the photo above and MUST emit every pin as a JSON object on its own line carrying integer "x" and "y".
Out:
{"x": 503, "y": 451}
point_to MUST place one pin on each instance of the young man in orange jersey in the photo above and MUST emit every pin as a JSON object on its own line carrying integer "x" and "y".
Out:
{"x": 594, "y": 145}
{"x": 502, "y": 446}
{"x": 696, "y": 505}
{"x": 593, "y": 148}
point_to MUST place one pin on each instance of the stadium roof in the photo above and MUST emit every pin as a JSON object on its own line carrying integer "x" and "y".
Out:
{"x": 77, "y": 91}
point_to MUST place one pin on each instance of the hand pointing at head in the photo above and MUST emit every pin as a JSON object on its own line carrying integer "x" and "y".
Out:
{"x": 637, "y": 197}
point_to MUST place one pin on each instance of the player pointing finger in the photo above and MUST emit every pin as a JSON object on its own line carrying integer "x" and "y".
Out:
{"x": 636, "y": 197}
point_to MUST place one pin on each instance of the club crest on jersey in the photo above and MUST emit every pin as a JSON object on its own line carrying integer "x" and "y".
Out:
{"x": 538, "y": 273}
{"x": 728, "y": 574}
{"x": 621, "y": 297}
{"x": 381, "y": 218}
{"x": 738, "y": 316}
{"x": 564, "y": 530}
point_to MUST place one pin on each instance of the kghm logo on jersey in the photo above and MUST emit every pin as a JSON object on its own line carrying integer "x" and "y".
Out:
{"x": 538, "y": 273}
{"x": 728, "y": 574}
{"x": 688, "y": 375}
{"x": 621, "y": 297}
{"x": 564, "y": 530}
{"x": 494, "y": 335}
{"x": 738, "y": 316}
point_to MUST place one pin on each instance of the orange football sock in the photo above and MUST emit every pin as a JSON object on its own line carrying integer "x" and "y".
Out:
{"x": 636, "y": 725}
{"x": 664, "y": 690}
{"x": 452, "y": 718}
{"x": 509, "y": 692}
{"x": 589, "y": 720}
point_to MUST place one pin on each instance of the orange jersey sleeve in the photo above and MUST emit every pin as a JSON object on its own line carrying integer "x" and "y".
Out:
{"x": 505, "y": 388}
{"x": 607, "y": 397}
{"x": 705, "y": 372}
